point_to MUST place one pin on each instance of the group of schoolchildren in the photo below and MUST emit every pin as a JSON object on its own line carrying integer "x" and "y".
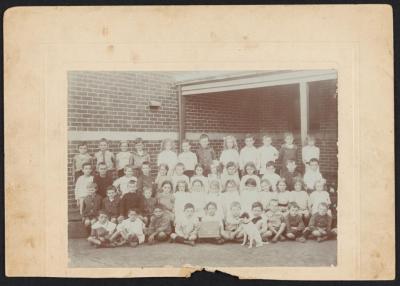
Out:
{"x": 121, "y": 204}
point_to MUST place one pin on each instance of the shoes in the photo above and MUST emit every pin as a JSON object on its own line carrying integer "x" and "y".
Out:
{"x": 220, "y": 241}
{"x": 133, "y": 243}
{"x": 189, "y": 242}
{"x": 282, "y": 238}
{"x": 322, "y": 238}
{"x": 301, "y": 239}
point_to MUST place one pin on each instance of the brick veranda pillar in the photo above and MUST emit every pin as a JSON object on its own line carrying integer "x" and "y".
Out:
{"x": 304, "y": 91}
{"x": 181, "y": 116}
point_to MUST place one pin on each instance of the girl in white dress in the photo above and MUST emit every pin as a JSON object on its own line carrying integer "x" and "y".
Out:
{"x": 168, "y": 155}
{"x": 230, "y": 152}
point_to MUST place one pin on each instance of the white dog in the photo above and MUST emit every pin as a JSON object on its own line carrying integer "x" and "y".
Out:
{"x": 250, "y": 231}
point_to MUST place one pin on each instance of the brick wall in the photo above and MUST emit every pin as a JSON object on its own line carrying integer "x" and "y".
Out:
{"x": 221, "y": 112}
{"x": 118, "y": 101}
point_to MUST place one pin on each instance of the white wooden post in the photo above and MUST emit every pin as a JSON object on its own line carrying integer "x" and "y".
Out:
{"x": 303, "y": 86}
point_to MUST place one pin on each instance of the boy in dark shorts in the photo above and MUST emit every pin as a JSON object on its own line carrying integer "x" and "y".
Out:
{"x": 294, "y": 224}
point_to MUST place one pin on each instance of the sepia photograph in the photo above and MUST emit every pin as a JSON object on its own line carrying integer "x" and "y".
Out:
{"x": 216, "y": 168}
{"x": 161, "y": 141}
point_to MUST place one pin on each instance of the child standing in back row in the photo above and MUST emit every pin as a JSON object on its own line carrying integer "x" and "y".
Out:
{"x": 80, "y": 159}
{"x": 187, "y": 158}
{"x": 248, "y": 154}
{"x": 287, "y": 152}
{"x": 123, "y": 158}
{"x": 310, "y": 151}
{"x": 205, "y": 154}
{"x": 267, "y": 153}
{"x": 230, "y": 152}
{"x": 168, "y": 155}
{"x": 105, "y": 156}
{"x": 139, "y": 155}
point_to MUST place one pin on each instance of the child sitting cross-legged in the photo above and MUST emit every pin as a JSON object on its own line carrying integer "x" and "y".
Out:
{"x": 102, "y": 231}
{"x": 273, "y": 223}
{"x": 211, "y": 226}
{"x": 320, "y": 224}
{"x": 160, "y": 227}
{"x": 129, "y": 231}
{"x": 294, "y": 224}
{"x": 257, "y": 215}
{"x": 232, "y": 231}
{"x": 186, "y": 228}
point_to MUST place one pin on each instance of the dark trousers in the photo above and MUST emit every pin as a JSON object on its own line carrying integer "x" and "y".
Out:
{"x": 189, "y": 173}
{"x": 120, "y": 173}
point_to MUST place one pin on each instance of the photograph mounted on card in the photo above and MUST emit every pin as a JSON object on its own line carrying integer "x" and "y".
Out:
{"x": 156, "y": 151}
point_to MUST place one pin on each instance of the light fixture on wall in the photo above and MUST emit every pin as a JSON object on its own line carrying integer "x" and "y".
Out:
{"x": 153, "y": 104}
